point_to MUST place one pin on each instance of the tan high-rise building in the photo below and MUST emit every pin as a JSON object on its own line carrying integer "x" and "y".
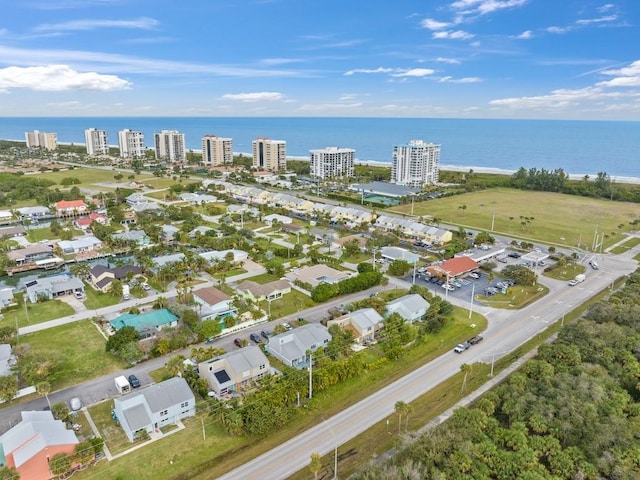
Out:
{"x": 131, "y": 144}
{"x": 270, "y": 154}
{"x": 332, "y": 162}
{"x": 415, "y": 164}
{"x": 96, "y": 142}
{"x": 169, "y": 145}
{"x": 216, "y": 151}
{"x": 38, "y": 139}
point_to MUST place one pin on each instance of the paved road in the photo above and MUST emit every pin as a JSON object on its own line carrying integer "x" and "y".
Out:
{"x": 507, "y": 330}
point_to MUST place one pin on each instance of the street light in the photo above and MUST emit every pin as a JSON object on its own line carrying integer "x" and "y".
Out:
{"x": 473, "y": 291}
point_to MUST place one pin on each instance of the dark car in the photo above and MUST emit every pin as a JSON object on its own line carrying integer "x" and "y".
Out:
{"x": 133, "y": 381}
{"x": 474, "y": 340}
{"x": 237, "y": 342}
{"x": 255, "y": 337}
{"x": 514, "y": 255}
{"x": 265, "y": 333}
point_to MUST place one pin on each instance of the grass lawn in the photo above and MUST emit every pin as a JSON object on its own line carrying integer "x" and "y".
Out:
{"x": 392, "y": 294}
{"x": 229, "y": 273}
{"x": 89, "y": 176}
{"x": 358, "y": 258}
{"x": 566, "y": 272}
{"x": 264, "y": 278}
{"x": 96, "y": 299}
{"x": 77, "y": 351}
{"x": 288, "y": 305}
{"x": 628, "y": 244}
{"x": 516, "y": 297}
{"x": 35, "y": 235}
{"x": 36, "y": 313}
{"x": 557, "y": 219}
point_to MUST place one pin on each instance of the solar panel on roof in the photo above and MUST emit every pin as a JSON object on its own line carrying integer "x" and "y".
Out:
{"x": 222, "y": 376}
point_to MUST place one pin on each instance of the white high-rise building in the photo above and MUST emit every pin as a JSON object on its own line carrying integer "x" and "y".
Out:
{"x": 38, "y": 139}
{"x": 170, "y": 146}
{"x": 270, "y": 154}
{"x": 415, "y": 164}
{"x": 96, "y": 142}
{"x": 131, "y": 144}
{"x": 216, "y": 151}
{"x": 332, "y": 162}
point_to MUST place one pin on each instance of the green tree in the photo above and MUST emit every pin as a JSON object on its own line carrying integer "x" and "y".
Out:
{"x": 315, "y": 465}
{"x": 175, "y": 366}
{"x": 9, "y": 473}
{"x": 122, "y": 337}
{"x": 401, "y": 408}
{"x": 398, "y": 268}
{"x": 209, "y": 329}
{"x": 44, "y": 388}
{"x": 84, "y": 452}
{"x": 8, "y": 387}
{"x": 60, "y": 411}
{"x": 60, "y": 463}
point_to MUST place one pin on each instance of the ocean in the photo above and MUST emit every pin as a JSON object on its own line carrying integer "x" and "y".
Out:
{"x": 578, "y": 147}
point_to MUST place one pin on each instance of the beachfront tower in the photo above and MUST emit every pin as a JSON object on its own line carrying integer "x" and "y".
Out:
{"x": 415, "y": 164}
{"x": 169, "y": 145}
{"x": 96, "y": 142}
{"x": 131, "y": 144}
{"x": 270, "y": 154}
{"x": 216, "y": 151}
{"x": 332, "y": 162}
{"x": 38, "y": 139}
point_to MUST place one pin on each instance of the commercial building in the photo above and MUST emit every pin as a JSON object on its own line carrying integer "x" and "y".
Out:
{"x": 37, "y": 139}
{"x": 169, "y": 145}
{"x": 131, "y": 143}
{"x": 270, "y": 154}
{"x": 96, "y": 142}
{"x": 216, "y": 151}
{"x": 415, "y": 164}
{"x": 332, "y": 162}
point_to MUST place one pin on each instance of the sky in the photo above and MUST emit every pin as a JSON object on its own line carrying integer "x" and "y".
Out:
{"x": 546, "y": 59}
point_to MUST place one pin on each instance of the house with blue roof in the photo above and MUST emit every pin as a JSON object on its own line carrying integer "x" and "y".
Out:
{"x": 146, "y": 323}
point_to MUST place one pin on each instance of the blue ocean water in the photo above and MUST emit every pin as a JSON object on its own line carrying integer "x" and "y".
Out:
{"x": 578, "y": 147}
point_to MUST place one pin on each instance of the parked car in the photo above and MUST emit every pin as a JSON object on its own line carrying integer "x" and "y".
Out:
{"x": 474, "y": 340}
{"x": 255, "y": 337}
{"x": 146, "y": 286}
{"x": 461, "y": 347}
{"x": 514, "y": 255}
{"x": 75, "y": 404}
{"x": 474, "y": 275}
{"x": 287, "y": 326}
{"x": 265, "y": 333}
{"x": 133, "y": 381}
{"x": 447, "y": 286}
{"x": 78, "y": 295}
{"x": 237, "y": 342}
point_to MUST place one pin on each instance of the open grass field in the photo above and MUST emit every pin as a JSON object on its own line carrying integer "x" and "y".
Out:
{"x": 35, "y": 313}
{"x": 77, "y": 351}
{"x": 553, "y": 218}
{"x": 288, "y": 305}
{"x": 627, "y": 245}
{"x": 91, "y": 176}
{"x": 187, "y": 449}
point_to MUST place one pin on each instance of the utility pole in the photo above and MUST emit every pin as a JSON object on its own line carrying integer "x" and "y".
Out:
{"x": 473, "y": 291}
{"x": 310, "y": 375}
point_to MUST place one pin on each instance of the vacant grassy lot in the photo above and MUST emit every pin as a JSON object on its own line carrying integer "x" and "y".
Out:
{"x": 518, "y": 296}
{"x": 89, "y": 176}
{"x": 288, "y": 305}
{"x": 35, "y": 313}
{"x": 552, "y": 217}
{"x": 77, "y": 351}
{"x": 627, "y": 245}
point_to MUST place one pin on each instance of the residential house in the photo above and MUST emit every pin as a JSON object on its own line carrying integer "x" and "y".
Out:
{"x": 327, "y": 237}
{"x": 364, "y": 324}
{"x": 294, "y": 229}
{"x": 164, "y": 260}
{"x": 233, "y": 372}
{"x": 169, "y": 233}
{"x": 34, "y": 213}
{"x": 316, "y": 274}
{"x": 136, "y": 237}
{"x": 30, "y": 254}
{"x": 267, "y": 291}
{"x": 213, "y": 303}
{"x": 129, "y": 217}
{"x": 274, "y": 217}
{"x": 5, "y": 217}
{"x": 84, "y": 223}
{"x": 146, "y": 324}
{"x": 292, "y": 348}
{"x": 200, "y": 230}
{"x": 102, "y": 276}
{"x": 197, "y": 198}
{"x": 6, "y": 297}
{"x": 65, "y": 208}
{"x": 219, "y": 255}
{"x": 154, "y": 407}
{"x": 29, "y": 446}
{"x": 411, "y": 308}
{"x": 351, "y": 215}
{"x": 7, "y": 360}
{"x": 13, "y": 231}
{"x": 397, "y": 253}
{"x": 139, "y": 203}
{"x": 53, "y": 287}
{"x": 359, "y": 239}
{"x": 79, "y": 245}
{"x": 453, "y": 268}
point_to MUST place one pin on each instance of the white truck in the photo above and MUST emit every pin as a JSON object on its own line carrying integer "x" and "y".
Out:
{"x": 126, "y": 293}
{"x": 579, "y": 279}
{"x": 122, "y": 384}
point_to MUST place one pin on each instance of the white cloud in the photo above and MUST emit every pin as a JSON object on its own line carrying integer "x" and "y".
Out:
{"x": 628, "y": 76}
{"x": 485, "y": 6}
{"x": 278, "y": 61}
{"x": 450, "y": 79}
{"x": 451, "y": 61}
{"x": 589, "y": 21}
{"x": 368, "y": 70}
{"x": 453, "y": 34}
{"x": 558, "y": 30}
{"x": 142, "y": 23}
{"x": 527, "y": 34}
{"x": 431, "y": 24}
{"x": 58, "y": 78}
{"x": 415, "y": 72}
{"x": 606, "y": 7}
{"x": 254, "y": 96}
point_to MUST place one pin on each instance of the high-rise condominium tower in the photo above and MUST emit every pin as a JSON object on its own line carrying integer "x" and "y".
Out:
{"x": 47, "y": 141}
{"x": 169, "y": 146}
{"x": 415, "y": 164}
{"x": 270, "y": 154}
{"x": 96, "y": 142}
{"x": 332, "y": 162}
{"x": 131, "y": 144}
{"x": 216, "y": 151}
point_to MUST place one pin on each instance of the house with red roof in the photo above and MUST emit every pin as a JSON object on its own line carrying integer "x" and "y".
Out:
{"x": 85, "y": 222}
{"x": 70, "y": 207}
{"x": 454, "y": 267}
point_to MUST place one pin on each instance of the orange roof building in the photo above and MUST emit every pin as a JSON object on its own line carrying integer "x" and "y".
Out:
{"x": 454, "y": 267}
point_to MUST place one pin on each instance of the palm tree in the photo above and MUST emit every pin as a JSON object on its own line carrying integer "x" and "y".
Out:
{"x": 44, "y": 388}
{"x": 316, "y": 464}
{"x": 400, "y": 408}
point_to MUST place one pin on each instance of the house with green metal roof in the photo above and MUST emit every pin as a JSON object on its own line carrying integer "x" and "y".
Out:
{"x": 146, "y": 322}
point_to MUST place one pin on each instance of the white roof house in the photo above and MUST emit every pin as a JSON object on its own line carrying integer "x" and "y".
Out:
{"x": 397, "y": 253}
{"x": 81, "y": 244}
{"x": 274, "y": 217}
{"x": 155, "y": 406}
{"x": 410, "y": 307}
{"x": 231, "y": 372}
{"x": 291, "y": 347}
{"x": 364, "y": 323}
